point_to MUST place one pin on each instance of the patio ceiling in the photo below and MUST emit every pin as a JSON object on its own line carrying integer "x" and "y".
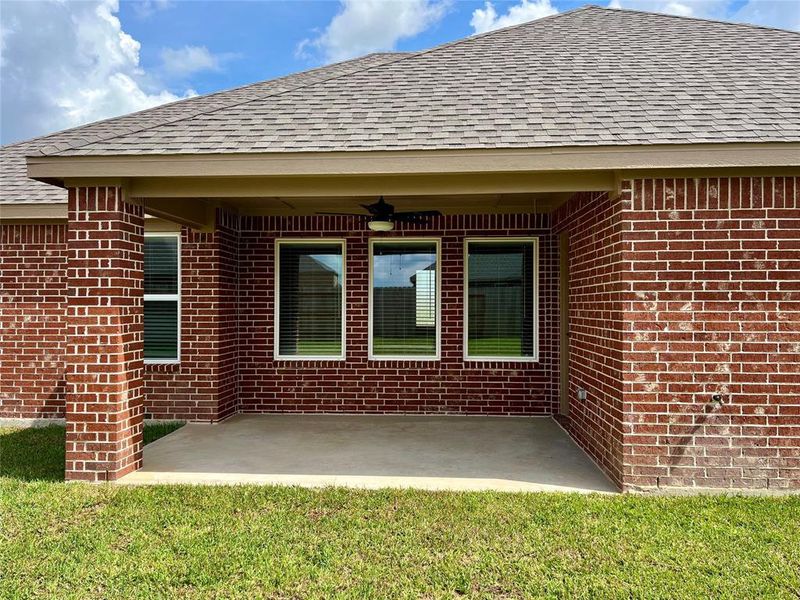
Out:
{"x": 446, "y": 204}
{"x": 187, "y": 200}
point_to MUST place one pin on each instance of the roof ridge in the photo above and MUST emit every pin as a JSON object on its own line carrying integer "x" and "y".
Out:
{"x": 199, "y": 96}
{"x": 401, "y": 56}
{"x": 691, "y": 18}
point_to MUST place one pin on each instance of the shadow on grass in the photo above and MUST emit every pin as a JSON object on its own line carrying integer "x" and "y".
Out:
{"x": 37, "y": 453}
{"x": 153, "y": 431}
{"x": 32, "y": 454}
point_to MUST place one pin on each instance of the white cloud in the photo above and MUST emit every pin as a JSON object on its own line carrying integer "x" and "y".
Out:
{"x": 192, "y": 59}
{"x": 686, "y": 8}
{"x": 784, "y": 14}
{"x": 364, "y": 26}
{"x": 487, "y": 19}
{"x": 145, "y": 8}
{"x": 68, "y": 63}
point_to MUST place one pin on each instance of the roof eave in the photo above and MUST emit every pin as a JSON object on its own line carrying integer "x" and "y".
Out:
{"x": 55, "y": 169}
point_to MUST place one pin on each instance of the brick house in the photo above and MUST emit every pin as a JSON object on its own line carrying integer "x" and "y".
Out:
{"x": 596, "y": 218}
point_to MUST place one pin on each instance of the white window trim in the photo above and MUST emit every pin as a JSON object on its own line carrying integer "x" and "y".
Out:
{"x": 168, "y": 297}
{"x": 438, "y": 299}
{"x": 503, "y": 240}
{"x": 300, "y": 241}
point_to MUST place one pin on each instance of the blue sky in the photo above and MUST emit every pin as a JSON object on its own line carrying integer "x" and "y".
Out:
{"x": 68, "y": 62}
{"x": 262, "y": 37}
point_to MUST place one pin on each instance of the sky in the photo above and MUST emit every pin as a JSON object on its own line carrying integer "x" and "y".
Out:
{"x": 68, "y": 62}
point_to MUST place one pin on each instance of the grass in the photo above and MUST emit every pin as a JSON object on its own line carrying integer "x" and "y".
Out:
{"x": 502, "y": 347}
{"x": 495, "y": 347}
{"x": 420, "y": 346}
{"x": 153, "y": 431}
{"x": 84, "y": 541}
{"x": 318, "y": 348}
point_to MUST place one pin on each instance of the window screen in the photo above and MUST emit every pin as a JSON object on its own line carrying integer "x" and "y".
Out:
{"x": 500, "y": 299}
{"x": 310, "y": 299}
{"x": 404, "y": 297}
{"x": 161, "y": 298}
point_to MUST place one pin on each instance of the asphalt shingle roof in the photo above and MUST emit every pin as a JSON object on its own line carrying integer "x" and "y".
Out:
{"x": 16, "y": 187}
{"x": 592, "y": 76}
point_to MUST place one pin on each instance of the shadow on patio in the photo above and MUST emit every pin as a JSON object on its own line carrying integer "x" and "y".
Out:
{"x": 428, "y": 452}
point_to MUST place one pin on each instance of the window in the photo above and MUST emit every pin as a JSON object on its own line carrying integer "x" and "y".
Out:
{"x": 501, "y": 298}
{"x": 310, "y": 299}
{"x": 161, "y": 297}
{"x": 404, "y": 299}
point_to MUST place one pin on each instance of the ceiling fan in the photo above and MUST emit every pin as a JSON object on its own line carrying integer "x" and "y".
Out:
{"x": 383, "y": 216}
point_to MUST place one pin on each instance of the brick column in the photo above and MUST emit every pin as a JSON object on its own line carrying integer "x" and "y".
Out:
{"x": 105, "y": 335}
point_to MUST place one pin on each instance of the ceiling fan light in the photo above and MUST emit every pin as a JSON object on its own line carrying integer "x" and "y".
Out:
{"x": 381, "y": 225}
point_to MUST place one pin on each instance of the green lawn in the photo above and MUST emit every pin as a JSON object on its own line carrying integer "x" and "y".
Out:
{"x": 320, "y": 348}
{"x": 105, "y": 541}
{"x": 495, "y": 347}
{"x": 420, "y": 346}
{"x": 502, "y": 347}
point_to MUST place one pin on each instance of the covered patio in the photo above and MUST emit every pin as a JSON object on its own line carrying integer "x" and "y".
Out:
{"x": 374, "y": 451}
{"x": 453, "y": 305}
{"x": 261, "y": 298}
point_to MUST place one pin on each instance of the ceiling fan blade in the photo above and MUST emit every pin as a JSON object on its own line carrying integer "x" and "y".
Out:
{"x": 381, "y": 208}
{"x": 416, "y": 215}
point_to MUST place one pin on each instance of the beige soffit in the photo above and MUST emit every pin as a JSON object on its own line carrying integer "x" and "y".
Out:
{"x": 340, "y": 186}
{"x": 33, "y": 211}
{"x": 188, "y": 199}
{"x": 43, "y": 213}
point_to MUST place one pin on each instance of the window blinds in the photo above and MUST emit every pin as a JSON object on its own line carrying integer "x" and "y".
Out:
{"x": 160, "y": 330}
{"x": 500, "y": 301}
{"x": 310, "y": 299}
{"x": 404, "y": 298}
{"x": 161, "y": 298}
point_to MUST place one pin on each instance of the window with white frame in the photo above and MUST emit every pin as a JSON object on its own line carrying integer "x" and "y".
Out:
{"x": 404, "y": 298}
{"x": 310, "y": 293}
{"x": 162, "y": 299}
{"x": 501, "y": 298}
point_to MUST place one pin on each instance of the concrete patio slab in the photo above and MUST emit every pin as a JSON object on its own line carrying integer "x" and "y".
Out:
{"x": 365, "y": 451}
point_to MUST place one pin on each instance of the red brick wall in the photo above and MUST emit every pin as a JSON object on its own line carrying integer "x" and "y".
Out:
{"x": 680, "y": 288}
{"x": 593, "y": 222}
{"x": 33, "y": 336}
{"x": 359, "y": 385}
{"x": 712, "y": 306}
{"x": 203, "y": 386}
{"x": 33, "y": 306}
